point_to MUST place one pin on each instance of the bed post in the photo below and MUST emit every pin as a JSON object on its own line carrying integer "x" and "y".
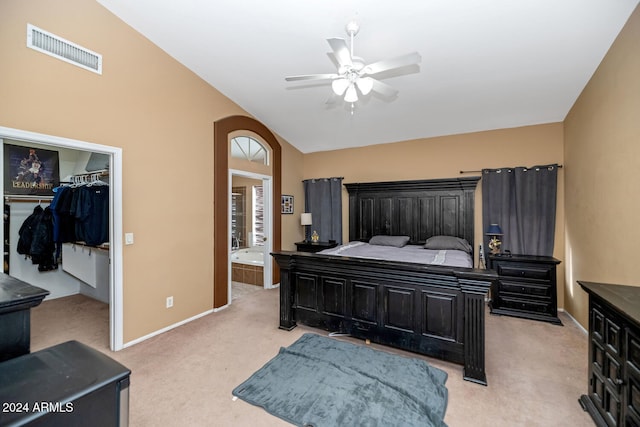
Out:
{"x": 286, "y": 263}
{"x": 474, "y": 292}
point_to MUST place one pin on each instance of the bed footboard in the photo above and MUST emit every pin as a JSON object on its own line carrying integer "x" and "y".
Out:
{"x": 432, "y": 310}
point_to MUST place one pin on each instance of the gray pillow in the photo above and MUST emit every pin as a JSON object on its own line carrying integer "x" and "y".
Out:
{"x": 397, "y": 241}
{"x": 448, "y": 242}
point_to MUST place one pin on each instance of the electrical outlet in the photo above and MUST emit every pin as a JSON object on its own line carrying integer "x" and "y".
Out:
{"x": 169, "y": 302}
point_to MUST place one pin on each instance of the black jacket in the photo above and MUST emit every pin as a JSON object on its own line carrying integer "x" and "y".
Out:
{"x": 36, "y": 239}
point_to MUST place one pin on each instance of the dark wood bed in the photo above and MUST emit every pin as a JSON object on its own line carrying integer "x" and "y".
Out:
{"x": 433, "y": 310}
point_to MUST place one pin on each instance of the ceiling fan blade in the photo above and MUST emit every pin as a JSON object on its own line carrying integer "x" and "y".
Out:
{"x": 341, "y": 51}
{"x": 312, "y": 77}
{"x": 384, "y": 89}
{"x": 389, "y": 64}
{"x": 333, "y": 98}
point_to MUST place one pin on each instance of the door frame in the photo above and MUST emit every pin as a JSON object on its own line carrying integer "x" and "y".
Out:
{"x": 116, "y": 298}
{"x": 221, "y": 193}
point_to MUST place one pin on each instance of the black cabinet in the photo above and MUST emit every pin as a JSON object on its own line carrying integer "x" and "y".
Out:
{"x": 613, "y": 397}
{"x": 69, "y": 384}
{"x": 526, "y": 287}
{"x": 314, "y": 246}
{"x": 16, "y": 300}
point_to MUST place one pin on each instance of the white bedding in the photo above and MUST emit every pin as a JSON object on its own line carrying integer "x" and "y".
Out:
{"x": 408, "y": 253}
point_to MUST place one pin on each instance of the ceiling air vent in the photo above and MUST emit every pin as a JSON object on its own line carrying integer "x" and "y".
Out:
{"x": 65, "y": 50}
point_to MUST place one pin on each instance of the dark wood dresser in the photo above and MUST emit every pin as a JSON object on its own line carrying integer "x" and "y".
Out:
{"x": 526, "y": 287}
{"x": 17, "y": 298}
{"x": 314, "y": 246}
{"x": 613, "y": 397}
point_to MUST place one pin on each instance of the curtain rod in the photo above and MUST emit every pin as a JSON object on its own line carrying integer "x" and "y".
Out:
{"x": 559, "y": 167}
{"x": 319, "y": 179}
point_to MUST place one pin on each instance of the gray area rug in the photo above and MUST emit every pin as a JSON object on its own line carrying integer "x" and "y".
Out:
{"x": 320, "y": 381}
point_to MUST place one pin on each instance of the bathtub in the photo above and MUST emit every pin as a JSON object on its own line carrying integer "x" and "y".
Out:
{"x": 247, "y": 266}
{"x": 249, "y": 256}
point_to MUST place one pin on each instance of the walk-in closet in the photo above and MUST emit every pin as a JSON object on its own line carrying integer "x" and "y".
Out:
{"x": 56, "y": 225}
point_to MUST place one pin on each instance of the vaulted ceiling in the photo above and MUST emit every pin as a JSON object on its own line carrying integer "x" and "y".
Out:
{"x": 486, "y": 64}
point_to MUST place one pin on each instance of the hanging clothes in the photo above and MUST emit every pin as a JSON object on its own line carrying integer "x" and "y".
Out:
{"x": 27, "y": 229}
{"x": 43, "y": 246}
{"x": 64, "y": 223}
{"x": 91, "y": 214}
{"x": 36, "y": 239}
{"x": 81, "y": 213}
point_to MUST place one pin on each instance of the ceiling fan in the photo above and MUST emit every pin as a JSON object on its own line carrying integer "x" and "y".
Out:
{"x": 353, "y": 75}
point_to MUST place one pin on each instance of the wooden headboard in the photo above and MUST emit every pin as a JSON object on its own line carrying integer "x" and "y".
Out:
{"x": 418, "y": 209}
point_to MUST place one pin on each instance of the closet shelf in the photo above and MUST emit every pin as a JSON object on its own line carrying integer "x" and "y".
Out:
{"x": 80, "y": 243}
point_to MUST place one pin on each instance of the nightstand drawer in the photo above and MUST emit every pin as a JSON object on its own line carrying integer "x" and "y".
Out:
{"x": 526, "y": 289}
{"x": 538, "y": 272}
{"x": 530, "y": 306}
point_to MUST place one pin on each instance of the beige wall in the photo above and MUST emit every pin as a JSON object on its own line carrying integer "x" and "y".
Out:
{"x": 292, "y": 176}
{"x": 160, "y": 114}
{"x": 445, "y": 157}
{"x": 602, "y": 158}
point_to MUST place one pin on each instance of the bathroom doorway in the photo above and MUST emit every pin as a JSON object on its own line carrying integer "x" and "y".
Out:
{"x": 224, "y": 130}
{"x": 250, "y": 229}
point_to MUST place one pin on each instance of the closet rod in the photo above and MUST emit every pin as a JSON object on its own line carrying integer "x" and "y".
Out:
{"x": 559, "y": 167}
{"x": 103, "y": 172}
{"x": 27, "y": 198}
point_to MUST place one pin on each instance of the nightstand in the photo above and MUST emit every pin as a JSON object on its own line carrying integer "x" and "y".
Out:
{"x": 526, "y": 287}
{"x": 314, "y": 246}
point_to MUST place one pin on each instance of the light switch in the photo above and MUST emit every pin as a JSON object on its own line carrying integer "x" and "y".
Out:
{"x": 128, "y": 238}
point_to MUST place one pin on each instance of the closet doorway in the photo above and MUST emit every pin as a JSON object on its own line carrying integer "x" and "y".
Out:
{"x": 250, "y": 228}
{"x": 68, "y": 150}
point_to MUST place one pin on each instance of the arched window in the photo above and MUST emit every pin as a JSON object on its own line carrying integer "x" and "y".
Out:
{"x": 248, "y": 148}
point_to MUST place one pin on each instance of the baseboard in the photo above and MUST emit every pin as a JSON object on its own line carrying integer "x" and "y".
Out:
{"x": 222, "y": 307}
{"x": 574, "y": 321}
{"x": 168, "y": 328}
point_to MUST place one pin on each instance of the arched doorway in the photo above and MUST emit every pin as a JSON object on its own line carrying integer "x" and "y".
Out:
{"x": 222, "y": 240}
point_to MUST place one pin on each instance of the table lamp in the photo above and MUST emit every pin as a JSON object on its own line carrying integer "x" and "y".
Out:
{"x": 305, "y": 220}
{"x": 494, "y": 232}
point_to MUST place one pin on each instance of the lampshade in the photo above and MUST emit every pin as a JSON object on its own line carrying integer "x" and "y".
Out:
{"x": 305, "y": 219}
{"x": 494, "y": 229}
{"x": 339, "y": 86}
{"x": 365, "y": 84}
{"x": 351, "y": 95}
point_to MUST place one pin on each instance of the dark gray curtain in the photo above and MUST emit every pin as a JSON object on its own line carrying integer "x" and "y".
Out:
{"x": 323, "y": 199}
{"x": 522, "y": 201}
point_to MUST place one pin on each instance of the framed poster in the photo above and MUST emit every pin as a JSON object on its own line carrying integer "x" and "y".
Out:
{"x": 287, "y": 204}
{"x": 30, "y": 171}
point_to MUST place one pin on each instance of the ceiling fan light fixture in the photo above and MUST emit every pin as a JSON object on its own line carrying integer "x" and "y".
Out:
{"x": 351, "y": 95}
{"x": 365, "y": 85}
{"x": 354, "y": 77}
{"x": 339, "y": 86}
